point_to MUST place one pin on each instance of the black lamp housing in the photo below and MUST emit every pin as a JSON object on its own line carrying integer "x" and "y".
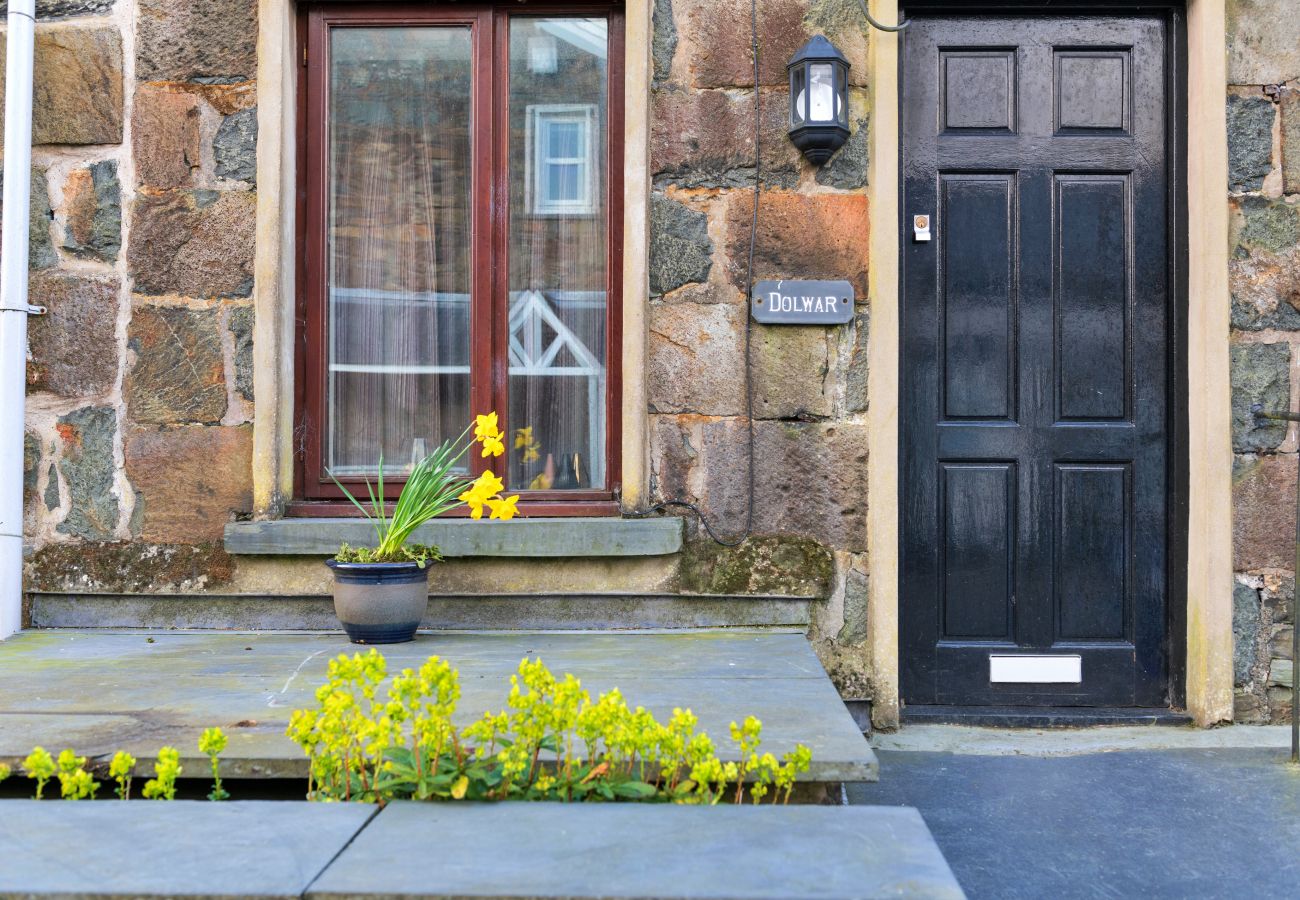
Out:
{"x": 819, "y": 99}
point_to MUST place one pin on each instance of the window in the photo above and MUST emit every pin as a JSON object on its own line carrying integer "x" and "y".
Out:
{"x": 460, "y": 220}
{"x": 560, "y": 177}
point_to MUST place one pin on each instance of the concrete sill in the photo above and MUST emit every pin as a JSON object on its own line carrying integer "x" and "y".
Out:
{"x": 548, "y": 538}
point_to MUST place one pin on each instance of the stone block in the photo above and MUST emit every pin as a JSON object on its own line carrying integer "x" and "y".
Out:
{"x": 857, "y": 371}
{"x": 235, "y": 146}
{"x": 1245, "y": 630}
{"x": 1291, "y": 141}
{"x": 92, "y": 212}
{"x": 129, "y": 567}
{"x": 765, "y": 564}
{"x": 196, "y": 40}
{"x": 1248, "y": 709}
{"x": 715, "y": 39}
{"x": 1263, "y": 524}
{"x": 705, "y": 138}
{"x": 1280, "y": 647}
{"x": 31, "y": 465}
{"x": 856, "y": 585}
{"x": 696, "y": 358}
{"x": 1270, "y": 226}
{"x": 87, "y": 437}
{"x": 1250, "y": 141}
{"x": 40, "y": 248}
{"x": 241, "y": 328}
{"x": 680, "y": 249}
{"x": 196, "y": 244}
{"x": 847, "y": 169}
{"x": 65, "y": 9}
{"x": 792, "y": 372}
{"x": 1261, "y": 374}
{"x": 1281, "y": 673}
{"x": 73, "y": 347}
{"x": 77, "y": 89}
{"x": 811, "y": 479}
{"x": 1279, "y": 705}
{"x": 165, "y": 137}
{"x": 178, "y": 372}
{"x": 1265, "y": 290}
{"x": 1279, "y": 597}
{"x": 1263, "y": 41}
{"x": 820, "y": 236}
{"x": 663, "y": 40}
{"x": 190, "y": 480}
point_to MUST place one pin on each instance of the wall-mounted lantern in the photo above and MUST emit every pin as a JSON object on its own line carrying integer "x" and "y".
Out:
{"x": 819, "y": 99}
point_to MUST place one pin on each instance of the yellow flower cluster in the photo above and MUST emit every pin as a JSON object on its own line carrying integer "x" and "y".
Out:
{"x": 166, "y": 770}
{"x": 489, "y": 435}
{"x": 75, "y": 783}
{"x": 486, "y": 491}
{"x": 120, "y": 770}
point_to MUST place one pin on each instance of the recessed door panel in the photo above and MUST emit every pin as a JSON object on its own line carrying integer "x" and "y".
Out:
{"x": 1035, "y": 329}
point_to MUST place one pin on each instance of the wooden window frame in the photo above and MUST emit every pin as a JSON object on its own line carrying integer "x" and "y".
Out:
{"x": 489, "y": 22}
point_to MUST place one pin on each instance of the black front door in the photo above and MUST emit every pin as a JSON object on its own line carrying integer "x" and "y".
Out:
{"x": 1034, "y": 354}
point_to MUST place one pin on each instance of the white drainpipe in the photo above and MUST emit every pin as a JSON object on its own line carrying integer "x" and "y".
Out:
{"x": 13, "y": 305}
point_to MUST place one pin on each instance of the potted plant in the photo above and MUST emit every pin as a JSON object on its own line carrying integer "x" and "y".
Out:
{"x": 381, "y": 592}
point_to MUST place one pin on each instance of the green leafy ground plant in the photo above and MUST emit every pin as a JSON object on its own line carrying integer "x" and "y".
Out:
{"x": 552, "y": 742}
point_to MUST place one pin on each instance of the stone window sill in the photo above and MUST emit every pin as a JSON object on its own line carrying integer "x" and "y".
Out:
{"x": 534, "y": 537}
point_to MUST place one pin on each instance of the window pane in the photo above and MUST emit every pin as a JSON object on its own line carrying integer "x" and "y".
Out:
{"x": 557, "y": 256}
{"x": 398, "y": 244}
{"x": 564, "y": 183}
{"x": 565, "y": 140}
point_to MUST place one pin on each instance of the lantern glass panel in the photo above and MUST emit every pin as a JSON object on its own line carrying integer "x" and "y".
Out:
{"x": 821, "y": 94}
{"x": 798, "y": 111}
{"x": 841, "y": 105}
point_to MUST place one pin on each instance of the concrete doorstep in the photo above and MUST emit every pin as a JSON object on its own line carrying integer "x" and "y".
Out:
{"x": 540, "y": 850}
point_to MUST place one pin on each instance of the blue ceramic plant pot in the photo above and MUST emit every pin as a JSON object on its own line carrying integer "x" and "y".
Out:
{"x": 380, "y": 603}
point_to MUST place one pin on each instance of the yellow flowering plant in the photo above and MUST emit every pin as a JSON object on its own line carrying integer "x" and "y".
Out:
{"x": 211, "y": 743}
{"x": 552, "y": 742}
{"x": 166, "y": 770}
{"x": 39, "y": 766}
{"x": 433, "y": 487}
{"x": 120, "y": 770}
{"x": 75, "y": 783}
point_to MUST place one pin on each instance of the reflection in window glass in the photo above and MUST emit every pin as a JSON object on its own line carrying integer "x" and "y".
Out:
{"x": 398, "y": 251}
{"x": 558, "y": 265}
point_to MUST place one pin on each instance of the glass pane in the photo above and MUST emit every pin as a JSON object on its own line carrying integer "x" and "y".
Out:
{"x": 564, "y": 183}
{"x": 799, "y": 107}
{"x": 565, "y": 140}
{"x": 398, "y": 244}
{"x": 557, "y": 256}
{"x": 822, "y": 93}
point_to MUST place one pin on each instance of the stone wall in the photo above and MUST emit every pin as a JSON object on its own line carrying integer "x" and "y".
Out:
{"x": 139, "y": 378}
{"x": 809, "y": 383}
{"x": 1264, "y": 184}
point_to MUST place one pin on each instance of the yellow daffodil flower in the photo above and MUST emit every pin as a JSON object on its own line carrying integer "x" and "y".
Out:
{"x": 523, "y": 436}
{"x": 485, "y": 427}
{"x": 503, "y": 508}
{"x": 492, "y": 446}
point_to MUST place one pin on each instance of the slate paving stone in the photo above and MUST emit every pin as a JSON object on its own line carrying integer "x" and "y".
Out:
{"x": 52, "y": 848}
{"x": 617, "y": 851}
{"x": 103, "y": 691}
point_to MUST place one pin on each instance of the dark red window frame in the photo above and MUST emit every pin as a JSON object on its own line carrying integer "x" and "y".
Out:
{"x": 314, "y": 493}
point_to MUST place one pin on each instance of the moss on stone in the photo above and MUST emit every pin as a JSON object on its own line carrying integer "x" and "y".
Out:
{"x": 120, "y": 567}
{"x": 770, "y": 564}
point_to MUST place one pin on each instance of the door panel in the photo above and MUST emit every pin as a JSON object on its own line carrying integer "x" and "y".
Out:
{"x": 1034, "y": 357}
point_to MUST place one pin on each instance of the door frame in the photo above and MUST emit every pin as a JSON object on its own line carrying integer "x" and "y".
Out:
{"x": 1200, "y": 529}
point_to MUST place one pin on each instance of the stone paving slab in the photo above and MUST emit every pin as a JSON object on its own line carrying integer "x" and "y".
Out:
{"x": 103, "y": 691}
{"x": 106, "y": 848}
{"x": 636, "y": 851}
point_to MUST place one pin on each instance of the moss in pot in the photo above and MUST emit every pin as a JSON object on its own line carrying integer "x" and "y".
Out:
{"x": 381, "y": 592}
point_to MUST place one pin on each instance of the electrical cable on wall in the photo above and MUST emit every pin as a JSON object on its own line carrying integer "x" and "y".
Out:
{"x": 749, "y": 291}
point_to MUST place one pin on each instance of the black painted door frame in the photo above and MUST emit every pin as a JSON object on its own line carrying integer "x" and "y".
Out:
{"x": 1163, "y": 684}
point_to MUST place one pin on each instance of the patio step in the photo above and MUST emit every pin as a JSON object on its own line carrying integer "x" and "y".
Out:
{"x": 101, "y": 691}
{"x": 537, "y": 850}
{"x": 507, "y": 612}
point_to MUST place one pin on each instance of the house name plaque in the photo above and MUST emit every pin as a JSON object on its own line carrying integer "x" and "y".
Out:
{"x": 792, "y": 302}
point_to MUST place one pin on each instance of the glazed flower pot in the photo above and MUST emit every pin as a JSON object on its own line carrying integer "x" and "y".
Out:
{"x": 380, "y": 603}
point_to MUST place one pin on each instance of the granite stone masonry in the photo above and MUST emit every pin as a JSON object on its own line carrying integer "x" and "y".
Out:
{"x": 1263, "y": 116}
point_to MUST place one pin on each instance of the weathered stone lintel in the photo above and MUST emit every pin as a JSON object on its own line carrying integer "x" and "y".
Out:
{"x": 577, "y": 537}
